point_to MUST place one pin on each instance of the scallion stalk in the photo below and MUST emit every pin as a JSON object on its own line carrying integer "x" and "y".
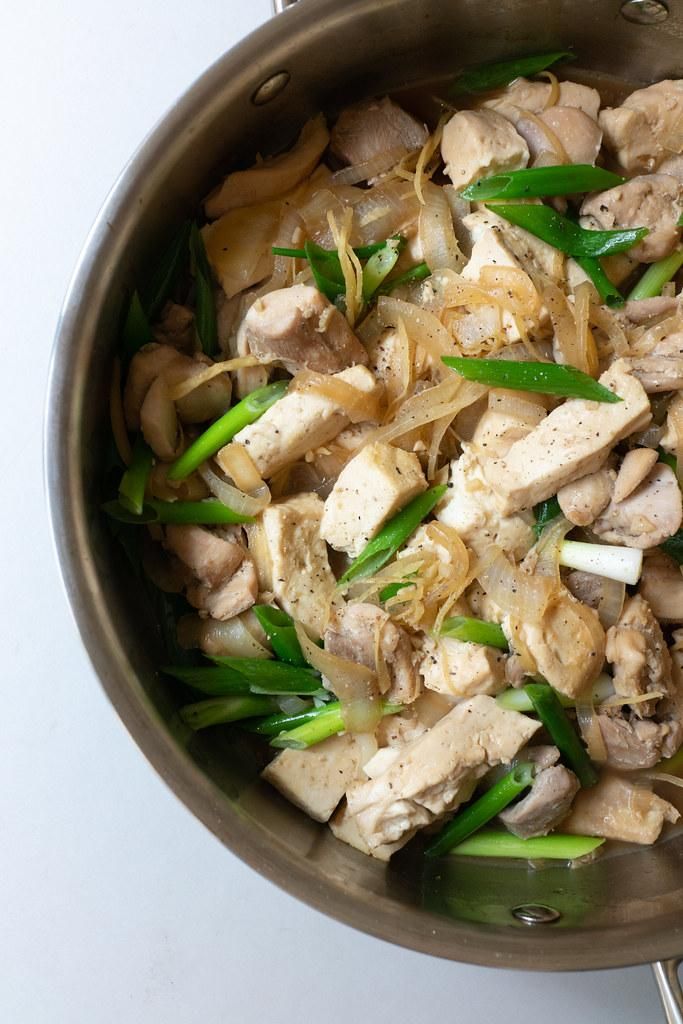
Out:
{"x": 205, "y": 306}
{"x": 199, "y": 513}
{"x": 616, "y": 563}
{"x": 556, "y": 846}
{"x": 608, "y": 292}
{"x": 379, "y": 265}
{"x": 474, "y": 631}
{"x": 656, "y": 276}
{"x": 563, "y": 234}
{"x": 267, "y": 677}
{"x": 134, "y": 480}
{"x": 166, "y": 272}
{"x": 546, "y": 378}
{"x": 534, "y": 182}
{"x": 279, "y": 628}
{"x": 673, "y": 546}
{"x": 549, "y": 709}
{"x": 545, "y": 512}
{"x": 416, "y": 273}
{"x": 493, "y": 76}
{"x": 222, "y": 710}
{"x": 326, "y": 722}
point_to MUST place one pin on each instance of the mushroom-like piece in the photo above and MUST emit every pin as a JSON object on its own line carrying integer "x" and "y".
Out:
{"x": 639, "y": 743}
{"x": 159, "y": 422}
{"x": 653, "y": 201}
{"x": 651, "y": 513}
{"x": 146, "y": 365}
{"x": 584, "y": 499}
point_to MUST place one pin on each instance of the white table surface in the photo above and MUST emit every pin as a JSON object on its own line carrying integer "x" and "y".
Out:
{"x": 116, "y": 904}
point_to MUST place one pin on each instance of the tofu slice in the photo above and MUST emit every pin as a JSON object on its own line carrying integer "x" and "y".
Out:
{"x": 372, "y": 487}
{"x": 316, "y": 779}
{"x": 344, "y": 827}
{"x": 478, "y": 143}
{"x": 297, "y": 423}
{"x": 302, "y": 580}
{"x": 437, "y": 771}
{"x": 616, "y": 809}
{"x": 460, "y": 669}
{"x": 572, "y": 441}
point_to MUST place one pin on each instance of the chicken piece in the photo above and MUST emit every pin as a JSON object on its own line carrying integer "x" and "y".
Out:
{"x": 638, "y": 743}
{"x": 300, "y": 329}
{"x": 650, "y": 513}
{"x": 639, "y": 311}
{"x": 374, "y": 485}
{"x": 579, "y": 134}
{"x": 661, "y": 586}
{"x": 634, "y": 468}
{"x": 479, "y": 143}
{"x": 460, "y": 669}
{"x": 546, "y": 804}
{"x": 653, "y": 201}
{"x": 148, "y": 363}
{"x": 344, "y": 827}
{"x": 471, "y": 508}
{"x": 175, "y": 327}
{"x": 522, "y": 96}
{"x": 670, "y": 438}
{"x": 367, "y": 130}
{"x": 298, "y": 423}
{"x": 638, "y": 652}
{"x": 672, "y": 165}
{"x": 571, "y": 442}
{"x": 437, "y": 771}
{"x": 567, "y": 643}
{"x": 646, "y": 128}
{"x": 230, "y": 598}
{"x": 360, "y": 632}
{"x": 584, "y": 499}
{"x": 211, "y": 558}
{"x": 316, "y": 779}
{"x": 616, "y": 809}
{"x": 272, "y": 177}
{"x": 658, "y": 373}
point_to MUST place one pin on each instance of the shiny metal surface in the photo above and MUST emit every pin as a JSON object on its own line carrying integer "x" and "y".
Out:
{"x": 645, "y": 12}
{"x": 668, "y": 983}
{"x": 616, "y": 911}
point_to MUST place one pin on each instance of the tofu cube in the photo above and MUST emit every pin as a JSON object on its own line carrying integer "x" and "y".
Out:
{"x": 316, "y": 779}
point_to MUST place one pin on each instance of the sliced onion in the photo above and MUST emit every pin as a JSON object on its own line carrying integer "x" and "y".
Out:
{"x": 587, "y": 351}
{"x": 611, "y": 601}
{"x": 520, "y": 594}
{"x": 180, "y": 389}
{"x": 591, "y": 732}
{"x": 353, "y": 402}
{"x": 260, "y": 553}
{"x": 380, "y": 163}
{"x": 238, "y": 501}
{"x": 240, "y": 467}
{"x": 423, "y": 327}
{"x": 426, "y": 153}
{"x": 230, "y": 639}
{"x": 435, "y": 231}
{"x": 349, "y": 262}
{"x": 386, "y": 209}
{"x": 640, "y": 698}
{"x": 673, "y": 780}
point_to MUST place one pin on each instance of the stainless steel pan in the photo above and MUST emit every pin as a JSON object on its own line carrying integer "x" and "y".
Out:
{"x": 617, "y": 911}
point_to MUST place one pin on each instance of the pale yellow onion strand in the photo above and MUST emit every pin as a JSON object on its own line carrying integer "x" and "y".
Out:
{"x": 187, "y": 386}
{"x": 238, "y": 464}
{"x": 554, "y": 93}
{"x": 356, "y": 404}
{"x": 350, "y": 264}
{"x": 426, "y": 153}
{"x": 588, "y": 352}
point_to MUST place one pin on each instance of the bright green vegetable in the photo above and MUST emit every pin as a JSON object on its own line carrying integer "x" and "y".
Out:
{"x": 549, "y": 709}
{"x": 563, "y": 233}
{"x": 363, "y": 252}
{"x": 393, "y": 534}
{"x": 273, "y": 725}
{"x": 475, "y": 631}
{"x": 547, "y": 378}
{"x": 534, "y": 182}
{"x": 327, "y": 271}
{"x": 481, "y": 811}
{"x": 134, "y": 480}
{"x": 136, "y": 329}
{"x": 205, "y": 306}
{"x": 503, "y": 844}
{"x": 517, "y": 700}
{"x": 545, "y": 512}
{"x": 279, "y": 628}
{"x": 656, "y": 276}
{"x": 668, "y": 459}
{"x": 608, "y": 292}
{"x": 225, "y": 709}
{"x": 416, "y": 273}
{"x": 250, "y": 409}
{"x": 493, "y": 76}
{"x": 392, "y": 589}
{"x": 671, "y": 765}
{"x": 327, "y": 721}
{"x": 166, "y": 273}
{"x": 271, "y": 677}
{"x": 199, "y": 513}
{"x": 378, "y": 267}
{"x": 673, "y": 546}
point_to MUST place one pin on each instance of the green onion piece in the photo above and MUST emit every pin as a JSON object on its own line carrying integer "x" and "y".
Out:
{"x": 673, "y": 546}
{"x": 514, "y": 699}
{"x": 679, "y": 222}
{"x": 136, "y": 330}
{"x": 134, "y": 480}
{"x": 475, "y": 631}
{"x": 393, "y": 534}
{"x": 279, "y": 628}
{"x": 493, "y": 76}
{"x": 363, "y": 252}
{"x": 225, "y": 709}
{"x": 392, "y": 589}
{"x": 250, "y": 409}
{"x": 668, "y": 459}
{"x": 479, "y": 813}
{"x": 656, "y": 276}
{"x": 562, "y": 233}
{"x": 503, "y": 844}
{"x": 608, "y": 292}
{"x": 272, "y": 677}
{"x": 197, "y": 513}
{"x": 326, "y": 269}
{"x": 327, "y": 721}
{"x": 534, "y": 182}
{"x": 549, "y": 709}
{"x": 205, "y": 306}
{"x": 273, "y": 725}
{"x": 416, "y": 273}
{"x": 547, "y": 378}
{"x": 545, "y": 512}
{"x": 378, "y": 267}
{"x": 671, "y": 765}
{"x": 163, "y": 279}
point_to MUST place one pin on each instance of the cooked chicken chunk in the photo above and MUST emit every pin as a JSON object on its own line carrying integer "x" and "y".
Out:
{"x": 299, "y": 422}
{"x": 616, "y": 809}
{"x": 374, "y": 485}
{"x": 437, "y": 771}
{"x": 460, "y": 669}
{"x": 572, "y": 441}
{"x": 523, "y": 95}
{"x": 303, "y": 582}
{"x": 364, "y": 633}
{"x": 661, "y": 586}
{"x": 230, "y": 598}
{"x": 650, "y": 513}
{"x": 211, "y": 558}
{"x": 316, "y": 779}
{"x": 371, "y": 128}
{"x": 653, "y": 201}
{"x": 544, "y": 807}
{"x": 149, "y": 363}
{"x": 176, "y": 327}
{"x": 584, "y": 499}
{"x": 638, "y": 652}
{"x": 634, "y": 468}
{"x": 478, "y": 143}
{"x": 658, "y": 373}
{"x": 646, "y": 127}
{"x": 638, "y": 743}
{"x": 560, "y": 132}
{"x": 301, "y": 329}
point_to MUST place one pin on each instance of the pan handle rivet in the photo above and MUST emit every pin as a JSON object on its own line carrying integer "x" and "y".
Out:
{"x": 270, "y": 88}
{"x": 535, "y": 913}
{"x": 645, "y": 12}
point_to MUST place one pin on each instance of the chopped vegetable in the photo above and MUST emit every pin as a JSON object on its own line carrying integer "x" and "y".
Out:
{"x": 167, "y": 271}
{"x": 327, "y": 271}
{"x": 656, "y": 276}
{"x": 673, "y": 546}
{"x": 668, "y": 459}
{"x": 542, "y": 181}
{"x": 327, "y": 721}
{"x": 562, "y": 233}
{"x": 673, "y": 765}
{"x": 198, "y": 513}
{"x": 486, "y": 807}
{"x": 134, "y": 480}
{"x": 503, "y": 844}
{"x": 393, "y": 534}
{"x": 546, "y": 378}
{"x": 549, "y": 709}
{"x": 221, "y": 710}
{"x": 493, "y": 76}
{"x": 378, "y": 267}
{"x": 416, "y": 273}
{"x": 271, "y": 677}
{"x": 205, "y": 315}
{"x": 544, "y": 514}
{"x": 250, "y": 409}
{"x": 610, "y": 560}
{"x": 279, "y": 628}
{"x": 363, "y": 252}
{"x": 514, "y": 699}
{"x": 282, "y": 722}
{"x": 474, "y": 631}
{"x": 136, "y": 329}
{"x": 608, "y": 292}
